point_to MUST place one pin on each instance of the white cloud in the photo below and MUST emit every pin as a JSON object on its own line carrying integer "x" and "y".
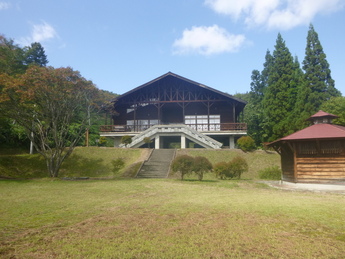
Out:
{"x": 279, "y": 14}
{"x": 4, "y": 5}
{"x": 40, "y": 33}
{"x": 207, "y": 41}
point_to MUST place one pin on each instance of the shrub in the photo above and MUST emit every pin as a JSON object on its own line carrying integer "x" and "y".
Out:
{"x": 148, "y": 141}
{"x": 246, "y": 143}
{"x": 201, "y": 165}
{"x": 232, "y": 169}
{"x": 238, "y": 166}
{"x": 221, "y": 170}
{"x": 126, "y": 140}
{"x": 118, "y": 164}
{"x": 271, "y": 173}
{"x": 102, "y": 141}
{"x": 183, "y": 164}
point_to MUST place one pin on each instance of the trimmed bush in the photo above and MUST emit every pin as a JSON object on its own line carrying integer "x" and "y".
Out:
{"x": 183, "y": 164}
{"x": 126, "y": 140}
{"x": 187, "y": 164}
{"x": 238, "y": 166}
{"x": 232, "y": 169}
{"x": 246, "y": 143}
{"x": 201, "y": 165}
{"x": 270, "y": 173}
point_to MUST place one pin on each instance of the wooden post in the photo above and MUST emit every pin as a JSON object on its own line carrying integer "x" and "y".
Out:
{"x": 294, "y": 162}
{"x": 87, "y": 137}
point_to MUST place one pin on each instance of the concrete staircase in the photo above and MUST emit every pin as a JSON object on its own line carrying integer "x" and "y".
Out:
{"x": 173, "y": 130}
{"x": 158, "y": 164}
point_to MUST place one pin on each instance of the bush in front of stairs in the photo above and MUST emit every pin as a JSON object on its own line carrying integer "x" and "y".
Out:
{"x": 183, "y": 165}
{"x": 186, "y": 164}
{"x": 201, "y": 165}
{"x": 126, "y": 140}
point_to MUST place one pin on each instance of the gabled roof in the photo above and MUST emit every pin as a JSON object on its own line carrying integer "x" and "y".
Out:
{"x": 184, "y": 79}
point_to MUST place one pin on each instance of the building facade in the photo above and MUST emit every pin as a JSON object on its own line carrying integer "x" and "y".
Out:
{"x": 174, "y": 112}
{"x": 315, "y": 154}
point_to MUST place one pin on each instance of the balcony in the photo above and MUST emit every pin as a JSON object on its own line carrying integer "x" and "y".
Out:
{"x": 237, "y": 127}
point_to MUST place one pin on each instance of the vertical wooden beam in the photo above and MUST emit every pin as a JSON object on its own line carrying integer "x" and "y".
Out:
{"x": 234, "y": 112}
{"x": 295, "y": 163}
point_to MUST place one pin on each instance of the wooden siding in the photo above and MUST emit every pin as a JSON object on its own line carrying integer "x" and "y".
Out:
{"x": 320, "y": 169}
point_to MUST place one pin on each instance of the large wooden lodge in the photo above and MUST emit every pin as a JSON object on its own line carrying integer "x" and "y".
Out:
{"x": 175, "y": 112}
{"x": 315, "y": 154}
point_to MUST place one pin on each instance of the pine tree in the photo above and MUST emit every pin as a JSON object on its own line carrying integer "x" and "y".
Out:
{"x": 280, "y": 95}
{"x": 319, "y": 85}
{"x": 34, "y": 54}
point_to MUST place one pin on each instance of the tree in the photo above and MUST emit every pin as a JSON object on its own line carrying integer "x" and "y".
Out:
{"x": 318, "y": 84}
{"x": 183, "y": 164}
{"x": 254, "y": 112}
{"x": 48, "y": 102}
{"x": 280, "y": 95}
{"x": 201, "y": 166}
{"x": 336, "y": 106}
{"x": 35, "y": 54}
{"x": 11, "y": 57}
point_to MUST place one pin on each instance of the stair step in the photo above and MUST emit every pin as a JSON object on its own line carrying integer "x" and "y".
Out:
{"x": 158, "y": 164}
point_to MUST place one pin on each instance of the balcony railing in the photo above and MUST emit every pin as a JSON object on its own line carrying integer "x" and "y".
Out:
{"x": 199, "y": 127}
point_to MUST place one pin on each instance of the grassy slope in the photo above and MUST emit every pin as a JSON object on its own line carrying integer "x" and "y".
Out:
{"x": 90, "y": 162}
{"x": 97, "y": 162}
{"x": 256, "y": 160}
{"x": 168, "y": 218}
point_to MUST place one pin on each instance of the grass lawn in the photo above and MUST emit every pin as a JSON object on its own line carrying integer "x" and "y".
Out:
{"x": 139, "y": 218}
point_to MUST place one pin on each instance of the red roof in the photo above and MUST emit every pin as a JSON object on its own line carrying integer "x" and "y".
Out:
{"x": 317, "y": 131}
{"x": 321, "y": 113}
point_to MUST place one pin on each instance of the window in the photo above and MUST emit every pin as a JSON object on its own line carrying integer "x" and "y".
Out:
{"x": 203, "y": 122}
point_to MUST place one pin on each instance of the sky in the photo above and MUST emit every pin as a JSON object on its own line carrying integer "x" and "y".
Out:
{"x": 122, "y": 44}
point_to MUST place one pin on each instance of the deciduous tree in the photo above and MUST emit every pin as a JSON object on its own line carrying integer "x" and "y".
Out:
{"x": 48, "y": 102}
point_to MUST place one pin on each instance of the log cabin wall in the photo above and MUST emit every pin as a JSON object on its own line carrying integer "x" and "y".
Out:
{"x": 320, "y": 161}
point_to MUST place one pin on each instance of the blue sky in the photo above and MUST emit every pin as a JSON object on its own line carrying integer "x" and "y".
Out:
{"x": 121, "y": 44}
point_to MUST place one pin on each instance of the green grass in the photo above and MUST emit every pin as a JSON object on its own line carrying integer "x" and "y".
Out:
{"x": 132, "y": 218}
{"x": 84, "y": 162}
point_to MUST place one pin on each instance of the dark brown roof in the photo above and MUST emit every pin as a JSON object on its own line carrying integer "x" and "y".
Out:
{"x": 184, "y": 79}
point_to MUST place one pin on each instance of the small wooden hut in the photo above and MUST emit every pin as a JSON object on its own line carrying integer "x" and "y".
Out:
{"x": 315, "y": 154}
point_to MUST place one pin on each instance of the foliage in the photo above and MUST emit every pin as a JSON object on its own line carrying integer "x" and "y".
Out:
{"x": 270, "y": 173}
{"x": 336, "y": 106}
{"x": 228, "y": 170}
{"x": 102, "y": 142}
{"x": 201, "y": 165}
{"x": 280, "y": 95}
{"x": 53, "y": 104}
{"x": 246, "y": 143}
{"x": 183, "y": 164}
{"x": 221, "y": 169}
{"x": 118, "y": 164}
{"x": 148, "y": 141}
{"x": 238, "y": 166}
{"x": 318, "y": 85}
{"x": 35, "y": 54}
{"x": 126, "y": 140}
